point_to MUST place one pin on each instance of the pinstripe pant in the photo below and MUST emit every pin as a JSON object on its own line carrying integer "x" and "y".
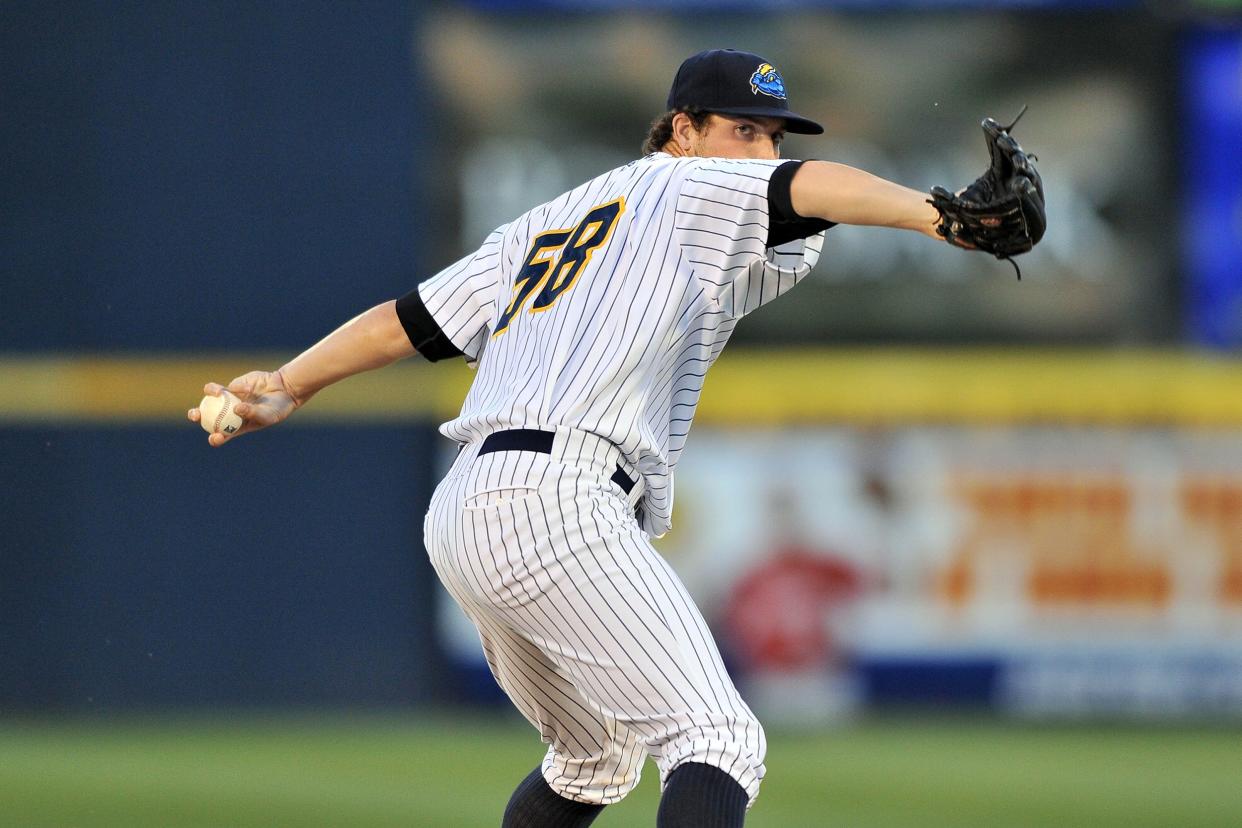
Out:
{"x": 584, "y": 625}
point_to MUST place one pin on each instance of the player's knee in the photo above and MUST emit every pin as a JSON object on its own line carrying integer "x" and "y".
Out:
{"x": 737, "y": 748}
{"x": 600, "y": 780}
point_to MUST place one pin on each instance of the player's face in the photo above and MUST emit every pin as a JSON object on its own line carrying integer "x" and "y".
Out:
{"x": 736, "y": 136}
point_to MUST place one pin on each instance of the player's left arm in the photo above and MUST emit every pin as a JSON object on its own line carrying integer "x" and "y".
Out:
{"x": 371, "y": 340}
{"x": 847, "y": 195}
{"x": 461, "y": 296}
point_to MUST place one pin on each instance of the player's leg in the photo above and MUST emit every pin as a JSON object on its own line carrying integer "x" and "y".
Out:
{"x": 702, "y": 796}
{"x": 630, "y": 639}
{"x": 535, "y": 805}
{"x": 591, "y": 761}
{"x": 564, "y": 569}
{"x": 696, "y": 796}
{"x": 590, "y": 758}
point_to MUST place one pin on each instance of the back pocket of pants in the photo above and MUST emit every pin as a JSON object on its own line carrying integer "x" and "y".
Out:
{"x": 500, "y": 496}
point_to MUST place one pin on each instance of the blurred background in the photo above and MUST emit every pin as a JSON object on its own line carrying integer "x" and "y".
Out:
{"x": 972, "y": 546}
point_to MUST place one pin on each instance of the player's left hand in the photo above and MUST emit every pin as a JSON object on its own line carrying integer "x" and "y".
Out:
{"x": 1002, "y": 212}
{"x": 264, "y": 401}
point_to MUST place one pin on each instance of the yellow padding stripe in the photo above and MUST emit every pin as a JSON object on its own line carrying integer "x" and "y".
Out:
{"x": 161, "y": 388}
{"x": 860, "y": 386}
{"x": 975, "y": 386}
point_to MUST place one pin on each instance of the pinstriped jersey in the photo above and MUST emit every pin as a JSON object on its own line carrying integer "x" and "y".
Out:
{"x": 603, "y": 309}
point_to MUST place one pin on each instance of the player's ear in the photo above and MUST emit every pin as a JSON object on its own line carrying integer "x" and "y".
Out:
{"x": 685, "y": 134}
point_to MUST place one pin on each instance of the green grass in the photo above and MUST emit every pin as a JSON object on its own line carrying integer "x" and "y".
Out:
{"x": 236, "y": 772}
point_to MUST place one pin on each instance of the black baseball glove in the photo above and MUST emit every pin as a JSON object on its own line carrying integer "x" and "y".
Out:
{"x": 1002, "y": 212}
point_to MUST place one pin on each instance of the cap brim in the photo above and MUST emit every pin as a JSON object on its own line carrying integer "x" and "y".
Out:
{"x": 793, "y": 121}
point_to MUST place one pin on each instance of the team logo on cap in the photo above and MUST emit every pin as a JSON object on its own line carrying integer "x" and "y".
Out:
{"x": 768, "y": 81}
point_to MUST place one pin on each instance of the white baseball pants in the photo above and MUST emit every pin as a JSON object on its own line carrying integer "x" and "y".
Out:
{"x": 584, "y": 625}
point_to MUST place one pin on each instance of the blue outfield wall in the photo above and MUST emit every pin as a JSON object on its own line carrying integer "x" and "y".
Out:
{"x": 141, "y": 569}
{"x": 186, "y": 175}
{"x": 189, "y": 177}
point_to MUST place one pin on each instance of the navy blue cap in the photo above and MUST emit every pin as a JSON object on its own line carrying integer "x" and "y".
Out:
{"x": 736, "y": 83}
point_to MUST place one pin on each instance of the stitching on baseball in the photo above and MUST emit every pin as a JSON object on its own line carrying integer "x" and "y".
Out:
{"x": 224, "y": 409}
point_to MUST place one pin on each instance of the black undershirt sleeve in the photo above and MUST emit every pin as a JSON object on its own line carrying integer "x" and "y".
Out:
{"x": 785, "y": 225}
{"x": 423, "y": 330}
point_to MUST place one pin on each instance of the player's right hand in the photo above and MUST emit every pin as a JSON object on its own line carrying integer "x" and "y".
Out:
{"x": 264, "y": 402}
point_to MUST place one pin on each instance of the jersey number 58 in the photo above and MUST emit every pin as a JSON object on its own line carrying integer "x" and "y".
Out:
{"x": 571, "y": 250}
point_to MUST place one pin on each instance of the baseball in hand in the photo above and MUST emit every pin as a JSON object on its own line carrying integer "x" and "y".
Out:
{"x": 218, "y": 414}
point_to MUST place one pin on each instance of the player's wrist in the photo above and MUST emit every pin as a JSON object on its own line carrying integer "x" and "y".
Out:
{"x": 298, "y": 396}
{"x": 930, "y": 221}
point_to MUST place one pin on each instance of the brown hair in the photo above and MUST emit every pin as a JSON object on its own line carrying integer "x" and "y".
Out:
{"x": 661, "y": 131}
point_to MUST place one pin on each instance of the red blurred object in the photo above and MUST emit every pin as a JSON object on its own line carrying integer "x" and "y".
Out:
{"x": 778, "y": 614}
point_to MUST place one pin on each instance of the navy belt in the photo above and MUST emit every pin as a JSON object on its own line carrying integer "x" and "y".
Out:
{"x": 532, "y": 439}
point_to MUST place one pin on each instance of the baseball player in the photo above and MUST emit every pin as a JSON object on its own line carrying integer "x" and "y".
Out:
{"x": 592, "y": 320}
